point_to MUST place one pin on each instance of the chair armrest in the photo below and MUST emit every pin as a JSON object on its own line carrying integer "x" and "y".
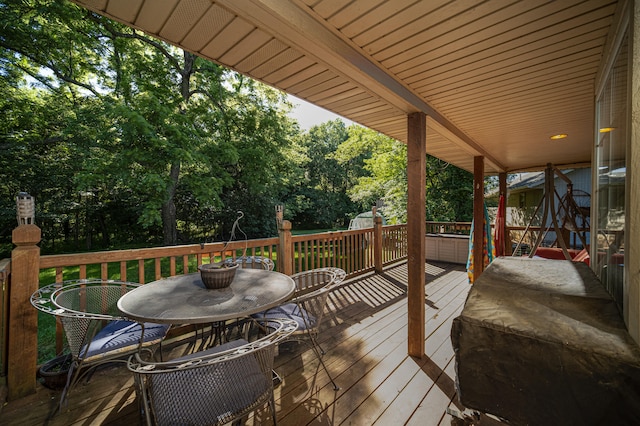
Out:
{"x": 313, "y": 295}
{"x": 51, "y": 298}
{"x": 284, "y": 328}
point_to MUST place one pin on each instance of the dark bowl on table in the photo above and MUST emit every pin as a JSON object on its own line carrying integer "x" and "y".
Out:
{"x": 217, "y": 275}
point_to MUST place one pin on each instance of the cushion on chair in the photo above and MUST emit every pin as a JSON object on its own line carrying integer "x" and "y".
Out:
{"x": 291, "y": 311}
{"x": 120, "y": 336}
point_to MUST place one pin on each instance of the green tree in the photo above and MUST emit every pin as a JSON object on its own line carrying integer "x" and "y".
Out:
{"x": 379, "y": 164}
{"x": 378, "y": 167}
{"x": 321, "y": 200}
{"x": 150, "y": 131}
{"x": 449, "y": 192}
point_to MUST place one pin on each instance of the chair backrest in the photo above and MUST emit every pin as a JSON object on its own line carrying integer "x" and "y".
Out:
{"x": 312, "y": 280}
{"x": 254, "y": 262}
{"x": 312, "y": 290}
{"x": 83, "y": 307}
{"x": 340, "y": 274}
{"x": 210, "y": 387}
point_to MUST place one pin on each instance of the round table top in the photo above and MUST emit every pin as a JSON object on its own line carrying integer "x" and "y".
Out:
{"x": 184, "y": 299}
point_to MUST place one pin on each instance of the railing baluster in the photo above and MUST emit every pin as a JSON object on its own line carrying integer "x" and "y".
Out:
{"x": 172, "y": 266}
{"x": 158, "y": 266}
{"x": 141, "y": 279}
{"x": 123, "y": 270}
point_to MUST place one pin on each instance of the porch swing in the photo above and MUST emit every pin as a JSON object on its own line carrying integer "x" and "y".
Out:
{"x": 565, "y": 213}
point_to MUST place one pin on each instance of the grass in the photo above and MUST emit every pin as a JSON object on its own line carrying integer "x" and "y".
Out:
{"x": 47, "y": 322}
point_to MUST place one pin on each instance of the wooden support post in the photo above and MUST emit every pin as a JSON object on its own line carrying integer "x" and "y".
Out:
{"x": 506, "y": 241}
{"x": 478, "y": 216}
{"x": 416, "y": 229}
{"x": 23, "y": 318}
{"x": 377, "y": 242}
{"x": 632, "y": 235}
{"x": 285, "y": 249}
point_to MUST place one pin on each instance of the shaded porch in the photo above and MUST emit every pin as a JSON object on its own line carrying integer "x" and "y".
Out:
{"x": 366, "y": 352}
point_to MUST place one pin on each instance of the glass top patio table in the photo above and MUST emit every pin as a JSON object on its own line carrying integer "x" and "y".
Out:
{"x": 184, "y": 299}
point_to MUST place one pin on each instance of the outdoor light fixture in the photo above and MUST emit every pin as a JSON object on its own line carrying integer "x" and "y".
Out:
{"x": 607, "y": 129}
{"x": 558, "y": 136}
{"x": 26, "y": 207}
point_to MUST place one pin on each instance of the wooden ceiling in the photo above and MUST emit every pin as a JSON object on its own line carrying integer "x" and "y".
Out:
{"x": 496, "y": 78}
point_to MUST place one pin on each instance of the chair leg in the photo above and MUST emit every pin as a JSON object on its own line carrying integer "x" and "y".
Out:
{"x": 73, "y": 377}
{"x": 272, "y": 406}
{"x": 317, "y": 350}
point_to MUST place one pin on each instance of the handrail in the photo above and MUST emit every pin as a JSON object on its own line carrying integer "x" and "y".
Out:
{"x": 448, "y": 227}
{"x": 173, "y": 255}
{"x": 349, "y": 250}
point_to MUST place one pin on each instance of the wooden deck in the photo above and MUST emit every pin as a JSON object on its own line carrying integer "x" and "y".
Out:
{"x": 365, "y": 338}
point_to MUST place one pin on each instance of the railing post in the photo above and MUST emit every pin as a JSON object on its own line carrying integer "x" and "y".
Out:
{"x": 285, "y": 248}
{"x": 377, "y": 244}
{"x": 23, "y": 318}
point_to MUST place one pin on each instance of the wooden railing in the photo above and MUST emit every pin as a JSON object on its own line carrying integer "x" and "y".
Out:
{"x": 394, "y": 243}
{"x": 356, "y": 252}
{"x": 149, "y": 264}
{"x": 524, "y": 235}
{"x": 349, "y": 250}
{"x": 448, "y": 227}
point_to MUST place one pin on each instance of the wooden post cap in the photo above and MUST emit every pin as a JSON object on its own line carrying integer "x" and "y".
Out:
{"x": 25, "y": 235}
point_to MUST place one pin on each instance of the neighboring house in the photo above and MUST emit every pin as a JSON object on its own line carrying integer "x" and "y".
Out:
{"x": 526, "y": 205}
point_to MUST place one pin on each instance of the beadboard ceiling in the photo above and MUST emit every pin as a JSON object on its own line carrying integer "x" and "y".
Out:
{"x": 496, "y": 78}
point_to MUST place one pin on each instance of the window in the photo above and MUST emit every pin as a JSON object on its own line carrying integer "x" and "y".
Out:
{"x": 610, "y": 171}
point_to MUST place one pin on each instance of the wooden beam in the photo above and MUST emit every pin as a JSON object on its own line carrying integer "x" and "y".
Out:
{"x": 478, "y": 215}
{"x": 416, "y": 229}
{"x": 502, "y": 185}
{"x": 632, "y": 236}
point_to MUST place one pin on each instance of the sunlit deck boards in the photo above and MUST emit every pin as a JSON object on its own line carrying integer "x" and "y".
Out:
{"x": 366, "y": 343}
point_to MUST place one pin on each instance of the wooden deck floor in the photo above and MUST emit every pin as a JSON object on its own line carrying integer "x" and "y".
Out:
{"x": 365, "y": 337}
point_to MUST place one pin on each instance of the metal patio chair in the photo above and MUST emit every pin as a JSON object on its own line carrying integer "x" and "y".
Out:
{"x": 212, "y": 387}
{"x": 340, "y": 273}
{"x": 95, "y": 331}
{"x": 223, "y": 331}
{"x": 253, "y": 262}
{"x": 307, "y": 308}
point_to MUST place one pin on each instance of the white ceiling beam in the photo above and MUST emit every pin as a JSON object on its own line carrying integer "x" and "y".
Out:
{"x": 292, "y": 19}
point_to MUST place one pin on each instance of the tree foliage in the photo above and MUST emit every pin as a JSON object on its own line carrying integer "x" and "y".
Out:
{"x": 133, "y": 125}
{"x": 125, "y": 140}
{"x": 320, "y": 199}
{"x": 380, "y": 173}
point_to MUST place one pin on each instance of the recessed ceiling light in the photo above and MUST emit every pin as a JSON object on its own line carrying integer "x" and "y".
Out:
{"x": 559, "y": 136}
{"x": 606, "y": 129}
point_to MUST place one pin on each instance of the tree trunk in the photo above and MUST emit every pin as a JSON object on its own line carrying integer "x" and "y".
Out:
{"x": 169, "y": 228}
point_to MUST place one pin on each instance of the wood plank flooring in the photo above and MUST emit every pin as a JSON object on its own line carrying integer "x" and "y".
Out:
{"x": 365, "y": 339}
